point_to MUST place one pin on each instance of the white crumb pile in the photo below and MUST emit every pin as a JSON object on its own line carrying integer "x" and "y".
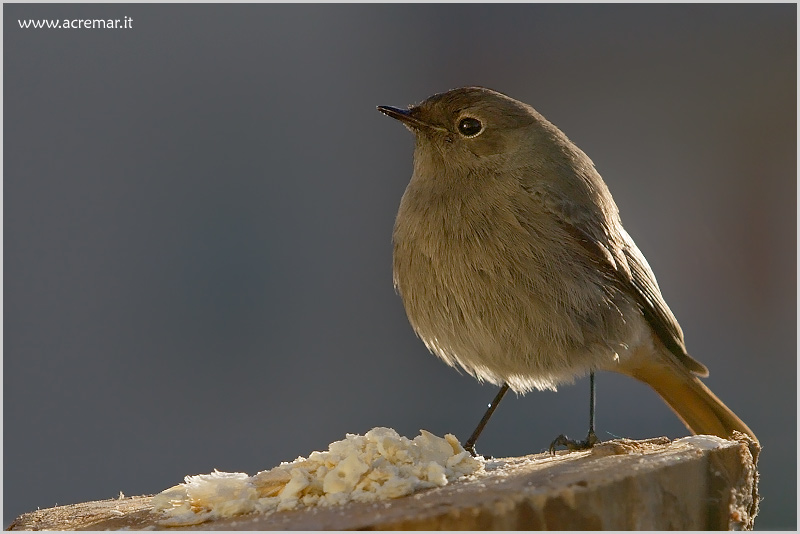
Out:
{"x": 378, "y": 465}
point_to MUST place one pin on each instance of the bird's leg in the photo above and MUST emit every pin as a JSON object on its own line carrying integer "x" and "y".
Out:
{"x": 591, "y": 438}
{"x": 470, "y": 443}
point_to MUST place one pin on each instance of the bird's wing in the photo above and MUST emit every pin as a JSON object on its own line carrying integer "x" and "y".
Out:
{"x": 655, "y": 309}
{"x": 617, "y": 256}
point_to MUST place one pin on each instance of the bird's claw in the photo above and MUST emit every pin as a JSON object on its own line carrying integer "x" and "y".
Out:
{"x": 471, "y": 449}
{"x": 573, "y": 445}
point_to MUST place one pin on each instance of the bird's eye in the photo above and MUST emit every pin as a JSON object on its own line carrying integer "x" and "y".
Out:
{"x": 470, "y": 127}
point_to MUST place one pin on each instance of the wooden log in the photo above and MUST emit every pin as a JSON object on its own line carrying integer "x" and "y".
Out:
{"x": 694, "y": 483}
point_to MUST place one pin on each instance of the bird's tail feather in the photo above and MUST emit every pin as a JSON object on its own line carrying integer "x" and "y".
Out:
{"x": 696, "y": 405}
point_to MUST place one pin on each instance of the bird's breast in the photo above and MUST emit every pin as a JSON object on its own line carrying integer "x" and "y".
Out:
{"x": 492, "y": 285}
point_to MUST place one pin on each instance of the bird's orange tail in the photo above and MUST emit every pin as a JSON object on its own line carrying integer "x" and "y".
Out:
{"x": 697, "y": 406}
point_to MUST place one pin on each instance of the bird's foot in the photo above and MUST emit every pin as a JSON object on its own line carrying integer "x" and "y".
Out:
{"x": 471, "y": 449}
{"x": 573, "y": 445}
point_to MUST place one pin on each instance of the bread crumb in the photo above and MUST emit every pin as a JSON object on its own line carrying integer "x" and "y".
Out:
{"x": 378, "y": 465}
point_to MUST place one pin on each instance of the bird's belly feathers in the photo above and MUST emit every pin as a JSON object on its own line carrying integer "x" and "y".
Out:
{"x": 508, "y": 314}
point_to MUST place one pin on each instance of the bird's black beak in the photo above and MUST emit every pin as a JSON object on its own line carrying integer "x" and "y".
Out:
{"x": 404, "y": 116}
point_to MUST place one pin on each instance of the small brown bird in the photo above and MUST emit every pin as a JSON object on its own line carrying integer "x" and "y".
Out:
{"x": 512, "y": 262}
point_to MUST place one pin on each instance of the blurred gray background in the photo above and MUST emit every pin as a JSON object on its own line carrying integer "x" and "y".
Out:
{"x": 198, "y": 216}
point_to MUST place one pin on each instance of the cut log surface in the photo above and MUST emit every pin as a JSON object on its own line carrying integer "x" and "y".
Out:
{"x": 694, "y": 483}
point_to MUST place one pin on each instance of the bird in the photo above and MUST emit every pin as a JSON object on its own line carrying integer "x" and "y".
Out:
{"x": 512, "y": 263}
